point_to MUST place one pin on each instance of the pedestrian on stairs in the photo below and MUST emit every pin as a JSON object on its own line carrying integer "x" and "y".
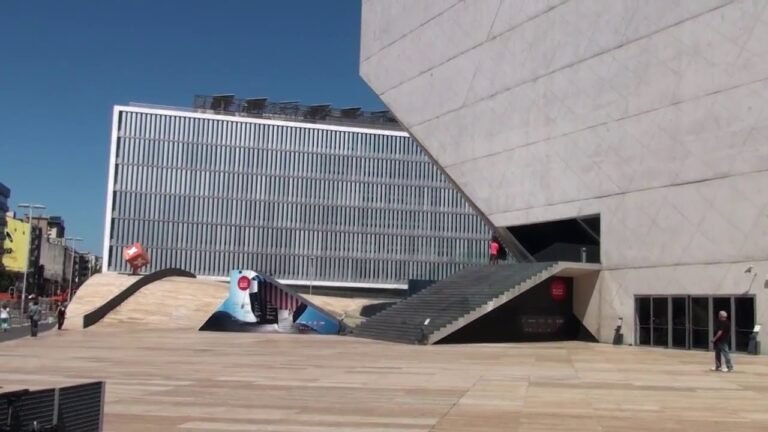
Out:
{"x": 494, "y": 251}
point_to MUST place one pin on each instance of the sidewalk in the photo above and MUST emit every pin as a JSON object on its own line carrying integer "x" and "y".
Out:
{"x": 22, "y": 331}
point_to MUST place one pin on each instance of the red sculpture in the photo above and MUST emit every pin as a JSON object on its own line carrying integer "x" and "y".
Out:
{"x": 136, "y": 257}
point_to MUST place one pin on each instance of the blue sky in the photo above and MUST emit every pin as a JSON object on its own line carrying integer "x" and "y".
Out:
{"x": 64, "y": 64}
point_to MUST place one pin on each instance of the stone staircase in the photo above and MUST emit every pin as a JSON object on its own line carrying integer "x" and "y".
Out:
{"x": 448, "y": 305}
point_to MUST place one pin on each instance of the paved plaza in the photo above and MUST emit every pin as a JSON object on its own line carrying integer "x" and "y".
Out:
{"x": 195, "y": 381}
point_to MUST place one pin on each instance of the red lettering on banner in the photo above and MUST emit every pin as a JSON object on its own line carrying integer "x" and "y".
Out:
{"x": 243, "y": 282}
{"x": 557, "y": 289}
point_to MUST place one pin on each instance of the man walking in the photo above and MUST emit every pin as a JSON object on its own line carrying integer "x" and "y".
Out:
{"x": 61, "y": 314}
{"x": 721, "y": 341}
{"x": 35, "y": 314}
{"x": 5, "y": 317}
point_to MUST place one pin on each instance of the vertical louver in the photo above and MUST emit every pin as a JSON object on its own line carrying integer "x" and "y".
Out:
{"x": 213, "y": 193}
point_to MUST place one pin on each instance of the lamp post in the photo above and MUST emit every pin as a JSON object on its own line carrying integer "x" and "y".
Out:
{"x": 72, "y": 265}
{"x": 30, "y": 208}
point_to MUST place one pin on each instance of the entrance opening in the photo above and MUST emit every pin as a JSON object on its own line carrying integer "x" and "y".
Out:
{"x": 700, "y": 323}
{"x": 575, "y": 240}
{"x": 660, "y": 321}
{"x": 743, "y": 321}
{"x": 679, "y": 322}
{"x": 643, "y": 314}
{"x": 541, "y": 314}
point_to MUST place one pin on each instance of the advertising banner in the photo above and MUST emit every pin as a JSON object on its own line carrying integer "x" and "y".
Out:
{"x": 16, "y": 245}
{"x": 257, "y": 304}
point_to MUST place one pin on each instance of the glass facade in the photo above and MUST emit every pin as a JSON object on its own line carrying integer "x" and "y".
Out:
{"x": 693, "y": 320}
{"x": 299, "y": 201}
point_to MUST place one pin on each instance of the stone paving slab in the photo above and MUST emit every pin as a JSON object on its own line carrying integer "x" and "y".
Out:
{"x": 182, "y": 380}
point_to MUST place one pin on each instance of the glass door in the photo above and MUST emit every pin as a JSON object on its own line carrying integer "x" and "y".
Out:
{"x": 643, "y": 320}
{"x": 699, "y": 312}
{"x": 680, "y": 322}
{"x": 660, "y": 321}
{"x": 743, "y": 321}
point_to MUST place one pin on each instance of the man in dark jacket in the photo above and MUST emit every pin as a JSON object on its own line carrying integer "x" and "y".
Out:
{"x": 35, "y": 314}
{"x": 721, "y": 341}
{"x": 61, "y": 314}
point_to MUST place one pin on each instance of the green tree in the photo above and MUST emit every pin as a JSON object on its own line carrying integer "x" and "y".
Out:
{"x": 7, "y": 280}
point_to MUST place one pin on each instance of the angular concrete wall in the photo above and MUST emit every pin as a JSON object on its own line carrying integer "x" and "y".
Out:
{"x": 653, "y": 114}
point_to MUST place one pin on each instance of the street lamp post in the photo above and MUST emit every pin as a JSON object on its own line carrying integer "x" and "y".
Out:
{"x": 30, "y": 208}
{"x": 72, "y": 265}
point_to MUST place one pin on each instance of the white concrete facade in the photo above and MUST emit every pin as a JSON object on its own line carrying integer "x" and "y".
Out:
{"x": 652, "y": 114}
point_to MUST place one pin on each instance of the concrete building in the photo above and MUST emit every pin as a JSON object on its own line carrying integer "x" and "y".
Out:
{"x": 77, "y": 268}
{"x": 94, "y": 264}
{"x": 633, "y": 129}
{"x": 52, "y": 254}
{"x": 52, "y": 226}
{"x": 313, "y": 195}
{"x": 82, "y": 269}
{"x": 5, "y": 195}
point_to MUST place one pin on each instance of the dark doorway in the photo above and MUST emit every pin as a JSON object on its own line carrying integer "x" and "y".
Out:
{"x": 660, "y": 321}
{"x": 533, "y": 316}
{"x": 743, "y": 322}
{"x": 576, "y": 239}
{"x": 680, "y": 322}
{"x": 700, "y": 323}
{"x": 643, "y": 319}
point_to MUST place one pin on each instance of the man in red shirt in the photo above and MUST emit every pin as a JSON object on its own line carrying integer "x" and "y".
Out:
{"x": 494, "y": 251}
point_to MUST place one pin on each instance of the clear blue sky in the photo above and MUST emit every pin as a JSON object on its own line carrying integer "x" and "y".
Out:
{"x": 64, "y": 64}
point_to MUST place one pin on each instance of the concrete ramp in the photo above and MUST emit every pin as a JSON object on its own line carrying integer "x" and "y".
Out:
{"x": 171, "y": 303}
{"x": 96, "y": 291}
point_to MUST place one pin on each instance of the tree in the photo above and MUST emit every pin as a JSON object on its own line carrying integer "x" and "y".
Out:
{"x": 7, "y": 280}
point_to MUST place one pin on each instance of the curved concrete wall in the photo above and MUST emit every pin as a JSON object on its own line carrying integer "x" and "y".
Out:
{"x": 98, "y": 313}
{"x": 170, "y": 303}
{"x": 96, "y": 291}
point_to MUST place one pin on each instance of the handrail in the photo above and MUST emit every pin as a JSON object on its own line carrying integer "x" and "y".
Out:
{"x": 100, "y": 312}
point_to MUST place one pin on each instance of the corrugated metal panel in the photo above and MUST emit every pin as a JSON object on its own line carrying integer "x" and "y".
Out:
{"x": 206, "y": 195}
{"x": 81, "y": 407}
{"x": 34, "y": 406}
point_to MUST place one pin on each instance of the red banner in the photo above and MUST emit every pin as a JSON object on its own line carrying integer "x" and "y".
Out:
{"x": 557, "y": 289}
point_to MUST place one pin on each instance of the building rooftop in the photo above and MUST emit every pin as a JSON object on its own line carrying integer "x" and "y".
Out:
{"x": 228, "y": 104}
